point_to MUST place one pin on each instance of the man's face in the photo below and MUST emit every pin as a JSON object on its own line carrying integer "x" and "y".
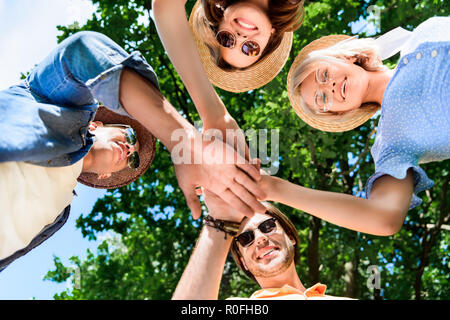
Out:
{"x": 110, "y": 151}
{"x": 270, "y": 253}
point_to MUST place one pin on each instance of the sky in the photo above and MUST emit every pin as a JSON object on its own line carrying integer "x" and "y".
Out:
{"x": 27, "y": 34}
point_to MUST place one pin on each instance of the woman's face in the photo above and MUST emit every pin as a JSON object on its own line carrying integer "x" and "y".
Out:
{"x": 247, "y": 21}
{"x": 335, "y": 86}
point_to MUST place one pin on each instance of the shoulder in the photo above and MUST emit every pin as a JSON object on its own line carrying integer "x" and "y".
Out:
{"x": 428, "y": 31}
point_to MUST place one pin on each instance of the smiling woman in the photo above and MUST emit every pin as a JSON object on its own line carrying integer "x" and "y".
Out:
{"x": 337, "y": 83}
{"x": 258, "y": 41}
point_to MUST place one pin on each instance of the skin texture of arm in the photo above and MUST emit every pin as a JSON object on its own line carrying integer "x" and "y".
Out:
{"x": 178, "y": 40}
{"x": 146, "y": 104}
{"x": 382, "y": 214}
{"x": 202, "y": 276}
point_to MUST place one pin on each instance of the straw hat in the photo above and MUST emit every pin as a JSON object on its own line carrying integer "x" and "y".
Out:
{"x": 322, "y": 121}
{"x": 253, "y": 77}
{"x": 147, "y": 145}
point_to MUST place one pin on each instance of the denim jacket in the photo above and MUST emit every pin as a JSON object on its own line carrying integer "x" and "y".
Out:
{"x": 47, "y": 116}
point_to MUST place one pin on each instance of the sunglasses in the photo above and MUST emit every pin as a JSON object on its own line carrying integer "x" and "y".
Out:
{"x": 227, "y": 39}
{"x": 246, "y": 238}
{"x": 131, "y": 139}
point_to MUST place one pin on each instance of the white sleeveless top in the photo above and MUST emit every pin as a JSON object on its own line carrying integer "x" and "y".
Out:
{"x": 31, "y": 197}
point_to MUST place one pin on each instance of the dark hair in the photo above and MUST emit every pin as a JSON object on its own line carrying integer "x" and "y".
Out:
{"x": 287, "y": 226}
{"x": 285, "y": 16}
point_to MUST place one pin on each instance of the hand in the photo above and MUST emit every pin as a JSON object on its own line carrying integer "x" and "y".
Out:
{"x": 219, "y": 209}
{"x": 267, "y": 185}
{"x": 223, "y": 172}
{"x": 227, "y": 129}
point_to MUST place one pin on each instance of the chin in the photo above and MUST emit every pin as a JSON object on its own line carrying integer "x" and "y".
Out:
{"x": 275, "y": 267}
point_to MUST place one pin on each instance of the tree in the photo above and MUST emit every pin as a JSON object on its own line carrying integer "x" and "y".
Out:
{"x": 155, "y": 233}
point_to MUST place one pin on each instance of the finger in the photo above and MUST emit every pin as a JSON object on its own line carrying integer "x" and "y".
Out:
{"x": 236, "y": 203}
{"x": 257, "y": 163}
{"x": 193, "y": 203}
{"x": 244, "y": 180}
{"x": 242, "y": 146}
{"x": 250, "y": 170}
{"x": 248, "y": 198}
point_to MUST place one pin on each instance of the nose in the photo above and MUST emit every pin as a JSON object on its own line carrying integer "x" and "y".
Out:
{"x": 240, "y": 34}
{"x": 260, "y": 238}
{"x": 330, "y": 86}
{"x": 130, "y": 149}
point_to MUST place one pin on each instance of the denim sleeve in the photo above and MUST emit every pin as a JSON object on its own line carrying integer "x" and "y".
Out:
{"x": 105, "y": 86}
{"x": 86, "y": 68}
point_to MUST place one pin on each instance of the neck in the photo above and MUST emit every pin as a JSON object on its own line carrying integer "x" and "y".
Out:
{"x": 378, "y": 81}
{"x": 289, "y": 277}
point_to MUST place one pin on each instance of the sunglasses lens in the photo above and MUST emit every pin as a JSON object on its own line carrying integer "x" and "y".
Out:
{"x": 267, "y": 226}
{"x": 250, "y": 48}
{"x": 246, "y": 238}
{"x": 225, "y": 39}
{"x": 134, "y": 160}
{"x": 130, "y": 136}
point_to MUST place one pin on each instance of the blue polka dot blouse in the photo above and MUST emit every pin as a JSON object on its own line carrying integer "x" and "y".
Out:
{"x": 414, "y": 126}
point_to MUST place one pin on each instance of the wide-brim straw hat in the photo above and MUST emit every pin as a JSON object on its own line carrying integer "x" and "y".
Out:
{"x": 324, "y": 122}
{"x": 252, "y": 77}
{"x": 147, "y": 147}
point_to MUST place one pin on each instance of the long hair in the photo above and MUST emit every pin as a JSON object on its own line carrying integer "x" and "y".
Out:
{"x": 287, "y": 226}
{"x": 284, "y": 15}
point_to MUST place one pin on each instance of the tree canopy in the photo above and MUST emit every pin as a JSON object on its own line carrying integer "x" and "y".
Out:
{"x": 153, "y": 227}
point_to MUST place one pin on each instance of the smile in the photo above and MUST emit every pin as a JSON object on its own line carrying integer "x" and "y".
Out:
{"x": 266, "y": 252}
{"x": 343, "y": 88}
{"x": 245, "y": 24}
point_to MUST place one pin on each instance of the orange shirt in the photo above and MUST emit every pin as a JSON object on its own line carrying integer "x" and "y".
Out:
{"x": 288, "y": 292}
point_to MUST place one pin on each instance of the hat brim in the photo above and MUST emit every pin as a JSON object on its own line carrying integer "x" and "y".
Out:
{"x": 323, "y": 122}
{"x": 147, "y": 147}
{"x": 253, "y": 77}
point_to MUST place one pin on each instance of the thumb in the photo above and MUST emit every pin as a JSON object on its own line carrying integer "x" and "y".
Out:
{"x": 193, "y": 203}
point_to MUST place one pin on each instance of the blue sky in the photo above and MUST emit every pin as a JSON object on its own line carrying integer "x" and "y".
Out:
{"x": 28, "y": 34}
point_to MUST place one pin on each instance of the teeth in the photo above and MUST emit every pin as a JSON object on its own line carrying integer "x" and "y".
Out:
{"x": 343, "y": 88}
{"x": 245, "y": 25}
{"x": 266, "y": 253}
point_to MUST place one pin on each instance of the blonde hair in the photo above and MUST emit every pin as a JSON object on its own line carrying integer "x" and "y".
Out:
{"x": 365, "y": 52}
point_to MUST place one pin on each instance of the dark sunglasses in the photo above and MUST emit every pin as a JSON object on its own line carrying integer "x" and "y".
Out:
{"x": 227, "y": 39}
{"x": 246, "y": 238}
{"x": 131, "y": 139}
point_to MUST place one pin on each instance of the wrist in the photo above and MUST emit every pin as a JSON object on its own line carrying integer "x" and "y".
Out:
{"x": 185, "y": 146}
{"x": 226, "y": 215}
{"x": 269, "y": 186}
{"x": 227, "y": 227}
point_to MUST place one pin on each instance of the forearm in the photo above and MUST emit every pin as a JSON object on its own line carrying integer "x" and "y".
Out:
{"x": 372, "y": 216}
{"x": 178, "y": 40}
{"x": 202, "y": 276}
{"x": 146, "y": 104}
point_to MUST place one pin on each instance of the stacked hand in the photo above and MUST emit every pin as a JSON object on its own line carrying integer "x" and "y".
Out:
{"x": 221, "y": 171}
